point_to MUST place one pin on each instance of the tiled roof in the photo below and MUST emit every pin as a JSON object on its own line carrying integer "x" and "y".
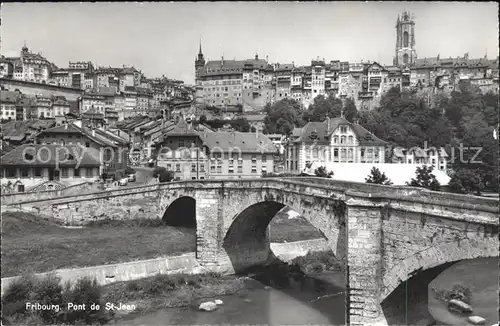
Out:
{"x": 8, "y": 97}
{"x": 48, "y": 155}
{"x": 18, "y": 130}
{"x": 231, "y": 67}
{"x": 6, "y": 147}
{"x": 317, "y": 132}
{"x": 459, "y": 61}
{"x": 238, "y": 141}
{"x": 284, "y": 67}
{"x": 72, "y": 128}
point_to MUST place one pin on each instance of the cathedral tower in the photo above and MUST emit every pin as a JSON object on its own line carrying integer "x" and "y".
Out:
{"x": 405, "y": 40}
{"x": 199, "y": 63}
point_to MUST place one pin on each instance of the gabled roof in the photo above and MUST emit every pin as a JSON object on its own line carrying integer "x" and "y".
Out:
{"x": 8, "y": 97}
{"x": 319, "y": 133}
{"x": 49, "y": 154}
{"x": 243, "y": 142}
{"x": 73, "y": 128}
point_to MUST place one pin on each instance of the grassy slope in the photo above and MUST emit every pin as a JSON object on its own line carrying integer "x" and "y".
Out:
{"x": 34, "y": 244}
{"x": 31, "y": 244}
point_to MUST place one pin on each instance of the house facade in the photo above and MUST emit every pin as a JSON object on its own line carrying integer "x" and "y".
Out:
{"x": 194, "y": 154}
{"x": 334, "y": 140}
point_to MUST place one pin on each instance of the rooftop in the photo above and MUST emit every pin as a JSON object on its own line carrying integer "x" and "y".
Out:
{"x": 30, "y": 155}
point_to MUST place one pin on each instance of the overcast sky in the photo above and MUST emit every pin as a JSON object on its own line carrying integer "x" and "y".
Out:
{"x": 163, "y": 38}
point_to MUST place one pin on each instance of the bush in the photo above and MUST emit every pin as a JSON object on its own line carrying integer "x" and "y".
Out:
{"x": 48, "y": 291}
{"x": 86, "y": 291}
{"x": 16, "y": 295}
{"x": 157, "y": 170}
{"x": 166, "y": 176}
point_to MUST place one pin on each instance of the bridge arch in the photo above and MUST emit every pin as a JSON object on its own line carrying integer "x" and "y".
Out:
{"x": 245, "y": 238}
{"x": 181, "y": 212}
{"x": 435, "y": 256}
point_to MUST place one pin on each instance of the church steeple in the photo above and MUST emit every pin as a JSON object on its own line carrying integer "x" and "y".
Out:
{"x": 199, "y": 62}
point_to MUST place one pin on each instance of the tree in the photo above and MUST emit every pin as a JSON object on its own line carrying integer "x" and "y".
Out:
{"x": 378, "y": 177}
{"x": 165, "y": 176}
{"x": 323, "y": 107}
{"x": 240, "y": 124}
{"x": 425, "y": 179}
{"x": 466, "y": 181}
{"x": 203, "y": 119}
{"x": 322, "y": 173}
{"x": 282, "y": 117}
{"x": 350, "y": 110}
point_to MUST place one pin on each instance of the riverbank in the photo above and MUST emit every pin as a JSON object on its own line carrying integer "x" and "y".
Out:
{"x": 169, "y": 291}
{"x": 34, "y": 244}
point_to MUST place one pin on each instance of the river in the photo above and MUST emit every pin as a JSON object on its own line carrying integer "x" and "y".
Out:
{"x": 288, "y": 302}
{"x": 319, "y": 299}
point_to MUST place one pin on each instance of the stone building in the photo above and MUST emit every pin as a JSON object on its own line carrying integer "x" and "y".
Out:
{"x": 202, "y": 154}
{"x": 405, "y": 40}
{"x": 332, "y": 141}
{"x": 30, "y": 165}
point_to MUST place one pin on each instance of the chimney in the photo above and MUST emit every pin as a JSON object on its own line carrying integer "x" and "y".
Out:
{"x": 66, "y": 126}
{"x": 93, "y": 132}
{"x": 327, "y": 124}
{"x": 222, "y": 61}
{"x": 267, "y": 58}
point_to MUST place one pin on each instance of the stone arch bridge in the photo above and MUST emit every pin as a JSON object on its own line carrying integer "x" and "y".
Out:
{"x": 386, "y": 234}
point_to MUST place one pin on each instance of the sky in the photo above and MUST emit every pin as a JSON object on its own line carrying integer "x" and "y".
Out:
{"x": 163, "y": 38}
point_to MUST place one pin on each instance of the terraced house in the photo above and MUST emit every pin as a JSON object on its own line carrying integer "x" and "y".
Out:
{"x": 30, "y": 166}
{"x": 203, "y": 154}
{"x": 332, "y": 141}
{"x": 113, "y": 150}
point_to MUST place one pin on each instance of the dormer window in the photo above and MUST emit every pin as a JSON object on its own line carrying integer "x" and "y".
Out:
{"x": 343, "y": 129}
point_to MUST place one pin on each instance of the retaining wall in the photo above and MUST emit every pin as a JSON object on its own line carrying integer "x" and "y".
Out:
{"x": 186, "y": 263}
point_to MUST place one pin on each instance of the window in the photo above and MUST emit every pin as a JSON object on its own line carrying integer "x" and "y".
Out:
{"x": 335, "y": 139}
{"x": 181, "y": 143}
{"x": 87, "y": 144}
{"x": 193, "y": 167}
{"x": 89, "y": 172}
{"x": 254, "y": 159}
{"x": 350, "y": 140}
{"x": 76, "y": 172}
{"x": 202, "y": 167}
{"x": 254, "y": 169}
{"x": 406, "y": 38}
{"x": 342, "y": 139}
{"x": 212, "y": 168}
{"x": 343, "y": 129}
{"x": 231, "y": 170}
{"x": 38, "y": 172}
{"x": 64, "y": 172}
{"x": 219, "y": 169}
{"x": 264, "y": 158}
{"x": 24, "y": 172}
{"x": 177, "y": 168}
{"x": 169, "y": 167}
{"x": 362, "y": 152}
{"x": 240, "y": 169}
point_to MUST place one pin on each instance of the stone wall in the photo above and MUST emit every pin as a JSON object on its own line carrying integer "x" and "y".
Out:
{"x": 82, "y": 188}
{"x": 107, "y": 274}
{"x": 187, "y": 263}
{"x": 33, "y": 89}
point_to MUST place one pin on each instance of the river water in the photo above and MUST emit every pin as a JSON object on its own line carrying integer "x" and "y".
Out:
{"x": 319, "y": 299}
{"x": 289, "y": 301}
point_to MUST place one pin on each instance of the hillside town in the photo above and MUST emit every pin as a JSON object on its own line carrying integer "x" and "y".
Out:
{"x": 249, "y": 163}
{"x": 231, "y": 105}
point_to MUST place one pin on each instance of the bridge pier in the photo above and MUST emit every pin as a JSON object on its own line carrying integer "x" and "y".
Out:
{"x": 364, "y": 266}
{"x": 207, "y": 228}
